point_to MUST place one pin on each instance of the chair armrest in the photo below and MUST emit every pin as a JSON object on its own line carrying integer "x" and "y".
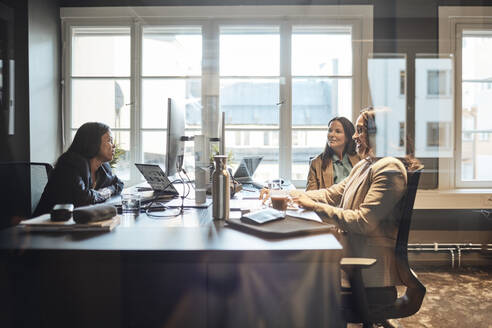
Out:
{"x": 353, "y": 267}
{"x": 351, "y": 263}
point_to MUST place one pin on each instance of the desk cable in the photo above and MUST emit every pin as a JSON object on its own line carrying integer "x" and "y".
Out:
{"x": 185, "y": 184}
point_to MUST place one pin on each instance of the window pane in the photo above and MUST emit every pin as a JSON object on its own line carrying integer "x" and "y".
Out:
{"x": 476, "y": 121}
{"x": 252, "y": 118}
{"x": 477, "y": 47}
{"x": 434, "y": 112}
{"x": 103, "y": 100}
{"x": 315, "y": 102}
{"x": 155, "y": 93}
{"x": 384, "y": 76}
{"x": 124, "y": 163}
{"x": 249, "y": 51}
{"x": 250, "y": 101}
{"x": 240, "y": 143}
{"x": 154, "y": 150}
{"x": 154, "y": 147}
{"x": 321, "y": 50}
{"x": 306, "y": 144}
{"x": 172, "y": 51}
{"x": 101, "y": 51}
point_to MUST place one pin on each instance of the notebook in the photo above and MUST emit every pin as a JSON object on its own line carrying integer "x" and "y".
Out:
{"x": 44, "y": 223}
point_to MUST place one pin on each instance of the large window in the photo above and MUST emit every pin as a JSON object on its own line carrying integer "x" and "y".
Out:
{"x": 99, "y": 79}
{"x": 322, "y": 69}
{"x": 249, "y": 91}
{"x": 476, "y": 97}
{"x": 171, "y": 68}
{"x": 466, "y": 33}
{"x": 279, "y": 81}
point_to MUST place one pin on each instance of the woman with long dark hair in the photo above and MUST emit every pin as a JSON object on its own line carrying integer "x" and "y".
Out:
{"x": 366, "y": 205}
{"x": 336, "y": 161}
{"x": 82, "y": 175}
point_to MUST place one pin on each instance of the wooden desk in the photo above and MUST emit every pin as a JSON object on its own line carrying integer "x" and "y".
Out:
{"x": 188, "y": 271}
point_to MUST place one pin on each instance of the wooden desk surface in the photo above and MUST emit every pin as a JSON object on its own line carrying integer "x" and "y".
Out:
{"x": 193, "y": 232}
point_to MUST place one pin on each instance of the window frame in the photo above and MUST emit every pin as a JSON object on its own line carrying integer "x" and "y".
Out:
{"x": 452, "y": 20}
{"x": 210, "y": 18}
{"x": 485, "y": 24}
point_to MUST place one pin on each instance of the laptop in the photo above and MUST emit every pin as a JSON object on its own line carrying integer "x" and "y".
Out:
{"x": 246, "y": 169}
{"x": 157, "y": 179}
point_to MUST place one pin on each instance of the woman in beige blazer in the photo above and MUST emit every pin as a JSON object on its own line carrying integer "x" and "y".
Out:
{"x": 335, "y": 162}
{"x": 365, "y": 206}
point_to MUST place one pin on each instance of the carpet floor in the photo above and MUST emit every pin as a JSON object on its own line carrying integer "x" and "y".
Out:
{"x": 454, "y": 298}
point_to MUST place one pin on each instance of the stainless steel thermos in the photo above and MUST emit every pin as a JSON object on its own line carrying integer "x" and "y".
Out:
{"x": 220, "y": 189}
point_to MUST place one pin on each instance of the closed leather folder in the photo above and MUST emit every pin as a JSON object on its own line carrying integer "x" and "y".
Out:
{"x": 288, "y": 227}
{"x": 93, "y": 213}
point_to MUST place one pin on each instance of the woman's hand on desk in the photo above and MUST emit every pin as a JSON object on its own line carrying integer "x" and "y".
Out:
{"x": 303, "y": 201}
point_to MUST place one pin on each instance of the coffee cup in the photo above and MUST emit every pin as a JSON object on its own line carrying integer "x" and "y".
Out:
{"x": 279, "y": 199}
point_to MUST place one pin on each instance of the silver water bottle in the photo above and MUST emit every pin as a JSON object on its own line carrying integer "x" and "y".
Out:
{"x": 220, "y": 189}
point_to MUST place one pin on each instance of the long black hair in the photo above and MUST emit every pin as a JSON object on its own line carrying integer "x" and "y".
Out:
{"x": 349, "y": 130}
{"x": 87, "y": 140}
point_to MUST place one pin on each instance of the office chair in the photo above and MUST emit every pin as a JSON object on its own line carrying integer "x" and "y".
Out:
{"x": 21, "y": 189}
{"x": 368, "y": 306}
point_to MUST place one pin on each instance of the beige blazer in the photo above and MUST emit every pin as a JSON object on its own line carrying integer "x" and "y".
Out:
{"x": 366, "y": 207}
{"x": 319, "y": 178}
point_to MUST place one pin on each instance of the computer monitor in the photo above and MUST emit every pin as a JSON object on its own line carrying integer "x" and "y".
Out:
{"x": 175, "y": 132}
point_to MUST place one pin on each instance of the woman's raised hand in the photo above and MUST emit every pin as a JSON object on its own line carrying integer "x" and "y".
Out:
{"x": 264, "y": 194}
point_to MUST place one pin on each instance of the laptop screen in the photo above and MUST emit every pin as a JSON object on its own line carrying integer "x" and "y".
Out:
{"x": 156, "y": 178}
{"x": 247, "y": 167}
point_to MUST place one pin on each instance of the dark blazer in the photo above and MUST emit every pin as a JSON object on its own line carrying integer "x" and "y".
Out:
{"x": 71, "y": 183}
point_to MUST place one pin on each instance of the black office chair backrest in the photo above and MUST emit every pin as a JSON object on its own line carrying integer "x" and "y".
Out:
{"x": 40, "y": 172}
{"x": 22, "y": 186}
{"x": 409, "y": 303}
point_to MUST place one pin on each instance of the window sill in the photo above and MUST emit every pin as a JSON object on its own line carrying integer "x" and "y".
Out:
{"x": 454, "y": 199}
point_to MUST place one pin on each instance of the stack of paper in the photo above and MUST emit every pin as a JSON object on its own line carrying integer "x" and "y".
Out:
{"x": 44, "y": 223}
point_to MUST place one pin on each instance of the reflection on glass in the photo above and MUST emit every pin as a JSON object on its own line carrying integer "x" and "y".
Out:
{"x": 384, "y": 72}
{"x": 155, "y": 93}
{"x": 103, "y": 100}
{"x": 321, "y": 50}
{"x": 433, "y": 106}
{"x": 101, "y": 51}
{"x": 172, "y": 51}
